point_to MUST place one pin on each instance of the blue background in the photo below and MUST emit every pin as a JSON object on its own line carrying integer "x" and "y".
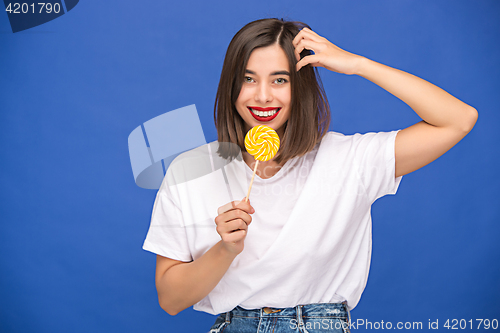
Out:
{"x": 73, "y": 220}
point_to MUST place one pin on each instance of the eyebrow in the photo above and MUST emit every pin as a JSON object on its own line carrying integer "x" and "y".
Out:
{"x": 274, "y": 73}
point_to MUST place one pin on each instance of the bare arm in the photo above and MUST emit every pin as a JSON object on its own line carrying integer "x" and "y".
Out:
{"x": 180, "y": 284}
{"x": 445, "y": 119}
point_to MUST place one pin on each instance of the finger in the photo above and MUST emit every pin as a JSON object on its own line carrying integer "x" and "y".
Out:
{"x": 305, "y": 44}
{"x": 236, "y": 225}
{"x": 236, "y": 214}
{"x": 306, "y": 33}
{"x": 234, "y": 237}
{"x": 246, "y": 206}
{"x": 298, "y": 37}
{"x": 303, "y": 34}
{"x": 311, "y": 59}
{"x": 231, "y": 226}
{"x": 233, "y": 215}
{"x": 312, "y": 34}
{"x": 227, "y": 207}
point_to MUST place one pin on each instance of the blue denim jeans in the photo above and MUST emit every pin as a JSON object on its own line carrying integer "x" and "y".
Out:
{"x": 310, "y": 318}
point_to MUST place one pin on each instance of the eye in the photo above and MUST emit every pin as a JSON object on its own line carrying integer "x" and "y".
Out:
{"x": 281, "y": 81}
{"x": 248, "y": 79}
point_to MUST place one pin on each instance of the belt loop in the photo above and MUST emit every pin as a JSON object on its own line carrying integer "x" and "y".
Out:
{"x": 298, "y": 308}
{"x": 348, "y": 312}
{"x": 228, "y": 318}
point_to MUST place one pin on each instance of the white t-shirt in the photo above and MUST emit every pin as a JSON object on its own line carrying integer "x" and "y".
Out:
{"x": 310, "y": 236}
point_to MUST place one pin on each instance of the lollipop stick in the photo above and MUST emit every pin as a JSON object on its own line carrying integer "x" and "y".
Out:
{"x": 251, "y": 182}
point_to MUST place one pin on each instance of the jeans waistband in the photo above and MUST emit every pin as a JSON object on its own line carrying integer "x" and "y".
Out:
{"x": 316, "y": 310}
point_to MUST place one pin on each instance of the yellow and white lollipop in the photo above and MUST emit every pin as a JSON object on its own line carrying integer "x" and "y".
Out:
{"x": 262, "y": 142}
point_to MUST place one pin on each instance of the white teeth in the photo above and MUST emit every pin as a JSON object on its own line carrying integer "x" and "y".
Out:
{"x": 264, "y": 113}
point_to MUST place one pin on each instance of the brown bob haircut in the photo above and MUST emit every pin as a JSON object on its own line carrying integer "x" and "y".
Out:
{"x": 309, "y": 114}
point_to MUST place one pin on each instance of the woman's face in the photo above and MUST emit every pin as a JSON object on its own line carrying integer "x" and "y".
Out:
{"x": 266, "y": 95}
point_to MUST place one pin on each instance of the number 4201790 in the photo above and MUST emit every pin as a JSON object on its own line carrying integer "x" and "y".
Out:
{"x": 41, "y": 7}
{"x": 456, "y": 324}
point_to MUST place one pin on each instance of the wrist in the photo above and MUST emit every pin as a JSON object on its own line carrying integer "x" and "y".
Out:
{"x": 225, "y": 253}
{"x": 362, "y": 63}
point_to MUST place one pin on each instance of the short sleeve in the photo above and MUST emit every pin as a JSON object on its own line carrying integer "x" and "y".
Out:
{"x": 376, "y": 163}
{"x": 167, "y": 234}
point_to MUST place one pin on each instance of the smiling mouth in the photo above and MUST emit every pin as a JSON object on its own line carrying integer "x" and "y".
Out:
{"x": 264, "y": 114}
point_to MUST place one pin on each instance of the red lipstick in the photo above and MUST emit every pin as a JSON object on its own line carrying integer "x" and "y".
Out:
{"x": 263, "y": 119}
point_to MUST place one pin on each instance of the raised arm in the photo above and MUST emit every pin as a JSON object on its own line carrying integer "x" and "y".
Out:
{"x": 445, "y": 119}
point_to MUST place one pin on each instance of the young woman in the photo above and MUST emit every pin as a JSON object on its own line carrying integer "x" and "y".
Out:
{"x": 297, "y": 258}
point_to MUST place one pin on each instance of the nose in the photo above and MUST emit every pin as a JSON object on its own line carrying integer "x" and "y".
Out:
{"x": 264, "y": 93}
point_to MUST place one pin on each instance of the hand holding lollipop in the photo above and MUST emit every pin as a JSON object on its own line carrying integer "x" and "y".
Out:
{"x": 262, "y": 142}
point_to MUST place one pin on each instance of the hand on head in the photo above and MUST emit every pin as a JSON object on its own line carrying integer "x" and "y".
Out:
{"x": 325, "y": 55}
